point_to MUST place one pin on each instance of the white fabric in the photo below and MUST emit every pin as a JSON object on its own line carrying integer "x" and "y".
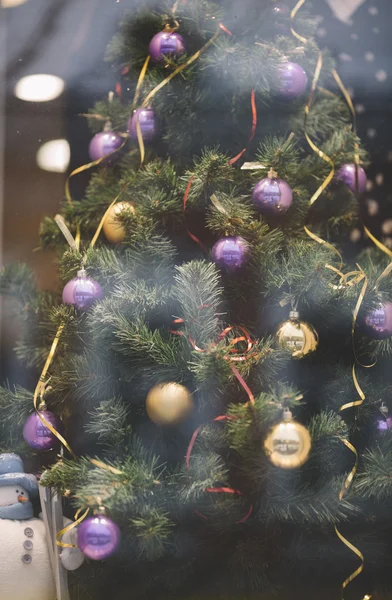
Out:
{"x": 344, "y": 9}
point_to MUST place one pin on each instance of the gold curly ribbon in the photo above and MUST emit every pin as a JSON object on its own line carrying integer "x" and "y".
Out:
{"x": 40, "y": 389}
{"x": 292, "y": 16}
{"x": 66, "y": 232}
{"x": 377, "y": 242}
{"x": 140, "y": 81}
{"x": 102, "y": 465}
{"x": 76, "y": 522}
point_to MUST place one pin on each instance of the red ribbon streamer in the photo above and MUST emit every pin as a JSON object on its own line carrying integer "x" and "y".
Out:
{"x": 216, "y": 490}
{"x": 232, "y": 161}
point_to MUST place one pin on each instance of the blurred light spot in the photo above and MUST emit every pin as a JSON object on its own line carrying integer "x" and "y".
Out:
{"x": 380, "y": 178}
{"x": 360, "y": 109}
{"x": 321, "y": 32}
{"x": 371, "y": 132}
{"x": 355, "y": 235}
{"x": 373, "y": 10}
{"x": 11, "y": 3}
{"x": 375, "y": 30}
{"x": 389, "y": 156}
{"x": 345, "y": 57}
{"x": 388, "y": 242}
{"x": 54, "y": 156}
{"x": 39, "y": 88}
{"x": 351, "y": 92}
{"x": 369, "y": 185}
{"x": 381, "y": 75}
{"x": 354, "y": 36}
{"x": 373, "y": 208}
{"x": 387, "y": 226}
{"x": 369, "y": 56}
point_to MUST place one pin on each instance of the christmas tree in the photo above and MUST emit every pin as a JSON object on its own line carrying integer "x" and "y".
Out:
{"x": 202, "y": 389}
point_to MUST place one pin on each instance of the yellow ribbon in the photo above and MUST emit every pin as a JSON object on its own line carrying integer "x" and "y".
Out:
{"x": 102, "y": 465}
{"x": 293, "y": 14}
{"x": 377, "y": 242}
{"x": 39, "y": 390}
{"x": 77, "y": 522}
{"x": 66, "y": 232}
{"x": 140, "y": 81}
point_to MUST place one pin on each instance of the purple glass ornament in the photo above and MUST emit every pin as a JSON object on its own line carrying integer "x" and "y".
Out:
{"x": 37, "y": 435}
{"x": 166, "y": 43}
{"x": 386, "y": 422}
{"x": 230, "y": 253}
{"x": 147, "y": 122}
{"x": 98, "y": 537}
{"x": 272, "y": 196}
{"x": 377, "y": 323}
{"x": 281, "y": 14}
{"x": 104, "y": 143}
{"x": 346, "y": 175}
{"x": 82, "y": 291}
{"x": 293, "y": 80}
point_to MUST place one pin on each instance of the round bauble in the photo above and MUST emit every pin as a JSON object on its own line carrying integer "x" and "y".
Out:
{"x": 82, "y": 291}
{"x": 37, "y": 435}
{"x": 299, "y": 337}
{"x": 230, "y": 253}
{"x": 377, "y": 323}
{"x": 288, "y": 444}
{"x": 166, "y": 43}
{"x": 272, "y": 196}
{"x": 103, "y": 144}
{"x": 280, "y": 17}
{"x": 346, "y": 175}
{"x": 292, "y": 80}
{"x": 147, "y": 121}
{"x": 98, "y": 537}
{"x": 385, "y": 422}
{"x": 113, "y": 229}
{"x": 169, "y": 403}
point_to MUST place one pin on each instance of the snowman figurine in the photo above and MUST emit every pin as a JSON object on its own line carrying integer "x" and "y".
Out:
{"x": 26, "y": 558}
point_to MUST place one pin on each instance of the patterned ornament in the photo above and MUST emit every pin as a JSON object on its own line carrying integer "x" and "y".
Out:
{"x": 113, "y": 229}
{"x": 104, "y": 143}
{"x": 377, "y": 323}
{"x": 37, "y": 435}
{"x": 272, "y": 196}
{"x": 346, "y": 175}
{"x": 148, "y": 125}
{"x": 82, "y": 291}
{"x": 166, "y": 43}
{"x": 288, "y": 444}
{"x": 297, "y": 336}
{"x": 169, "y": 403}
{"x": 230, "y": 253}
{"x": 292, "y": 80}
{"x": 385, "y": 422}
{"x": 98, "y": 537}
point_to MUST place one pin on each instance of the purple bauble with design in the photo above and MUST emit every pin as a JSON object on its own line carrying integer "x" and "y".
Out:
{"x": 385, "y": 423}
{"x": 377, "y": 323}
{"x": 293, "y": 80}
{"x": 98, "y": 537}
{"x": 37, "y": 435}
{"x": 148, "y": 125}
{"x": 230, "y": 253}
{"x": 166, "y": 43}
{"x": 346, "y": 175}
{"x": 104, "y": 143}
{"x": 272, "y": 196}
{"x": 82, "y": 291}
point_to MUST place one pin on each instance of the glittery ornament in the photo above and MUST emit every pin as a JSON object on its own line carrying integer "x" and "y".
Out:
{"x": 148, "y": 125}
{"x": 98, "y": 537}
{"x": 377, "y": 323}
{"x": 297, "y": 336}
{"x": 288, "y": 444}
{"x": 272, "y": 196}
{"x": 82, "y": 291}
{"x": 346, "y": 175}
{"x": 292, "y": 80}
{"x": 104, "y": 143}
{"x": 169, "y": 403}
{"x": 230, "y": 253}
{"x": 166, "y": 43}
{"x": 37, "y": 435}
{"x": 113, "y": 229}
{"x": 385, "y": 423}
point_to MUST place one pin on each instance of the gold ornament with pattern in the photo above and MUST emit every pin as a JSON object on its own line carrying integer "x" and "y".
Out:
{"x": 288, "y": 444}
{"x": 169, "y": 403}
{"x": 113, "y": 229}
{"x": 299, "y": 337}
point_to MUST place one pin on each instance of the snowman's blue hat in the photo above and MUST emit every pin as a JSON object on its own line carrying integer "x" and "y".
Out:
{"x": 12, "y": 473}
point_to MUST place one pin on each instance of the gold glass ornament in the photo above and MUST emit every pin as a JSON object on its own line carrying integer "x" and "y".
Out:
{"x": 168, "y": 403}
{"x": 113, "y": 229}
{"x": 299, "y": 337}
{"x": 288, "y": 443}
